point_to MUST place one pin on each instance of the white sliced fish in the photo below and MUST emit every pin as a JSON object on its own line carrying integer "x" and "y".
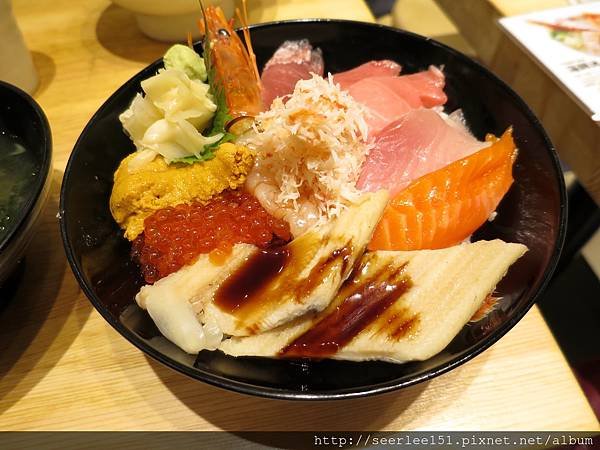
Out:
{"x": 397, "y": 306}
{"x": 193, "y": 306}
{"x": 173, "y": 301}
{"x": 276, "y": 286}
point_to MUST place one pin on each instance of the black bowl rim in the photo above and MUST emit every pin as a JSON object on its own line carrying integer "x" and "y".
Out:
{"x": 286, "y": 394}
{"x": 46, "y": 146}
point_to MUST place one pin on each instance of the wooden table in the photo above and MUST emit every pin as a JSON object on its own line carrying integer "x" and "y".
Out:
{"x": 573, "y": 132}
{"x": 64, "y": 368}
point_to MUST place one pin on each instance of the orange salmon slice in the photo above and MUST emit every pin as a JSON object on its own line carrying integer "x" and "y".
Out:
{"x": 445, "y": 207}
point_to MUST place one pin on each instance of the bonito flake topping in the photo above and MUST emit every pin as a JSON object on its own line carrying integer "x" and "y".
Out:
{"x": 310, "y": 152}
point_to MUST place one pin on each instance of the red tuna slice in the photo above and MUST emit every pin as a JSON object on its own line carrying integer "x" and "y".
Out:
{"x": 382, "y": 68}
{"x": 418, "y": 143}
{"x": 389, "y": 98}
{"x": 428, "y": 84}
{"x": 291, "y": 62}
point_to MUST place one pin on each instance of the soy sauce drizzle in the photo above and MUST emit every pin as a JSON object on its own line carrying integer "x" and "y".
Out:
{"x": 269, "y": 276}
{"x": 324, "y": 268}
{"x": 361, "y": 301}
{"x": 251, "y": 279}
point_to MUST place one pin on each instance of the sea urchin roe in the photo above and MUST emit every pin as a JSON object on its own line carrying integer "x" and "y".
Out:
{"x": 175, "y": 236}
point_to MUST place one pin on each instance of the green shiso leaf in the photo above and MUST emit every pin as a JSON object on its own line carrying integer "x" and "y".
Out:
{"x": 220, "y": 119}
{"x": 207, "y": 155}
{"x": 222, "y": 115}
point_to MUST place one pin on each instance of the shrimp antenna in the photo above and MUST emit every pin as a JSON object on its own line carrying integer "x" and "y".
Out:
{"x": 243, "y": 19}
{"x": 203, "y": 13}
{"x": 206, "y": 39}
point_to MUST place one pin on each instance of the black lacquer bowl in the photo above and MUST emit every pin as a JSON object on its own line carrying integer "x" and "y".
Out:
{"x": 533, "y": 213}
{"x": 22, "y": 118}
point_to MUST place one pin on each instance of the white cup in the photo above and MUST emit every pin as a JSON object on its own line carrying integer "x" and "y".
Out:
{"x": 16, "y": 66}
{"x": 170, "y": 20}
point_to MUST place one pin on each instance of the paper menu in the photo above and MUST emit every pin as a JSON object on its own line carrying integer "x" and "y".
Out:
{"x": 566, "y": 42}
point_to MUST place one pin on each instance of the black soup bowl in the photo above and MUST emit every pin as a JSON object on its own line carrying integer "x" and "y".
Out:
{"x": 25, "y": 165}
{"x": 533, "y": 213}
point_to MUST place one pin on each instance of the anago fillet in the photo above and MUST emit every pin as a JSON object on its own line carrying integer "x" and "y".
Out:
{"x": 309, "y": 275}
{"x": 171, "y": 300}
{"x": 441, "y": 290}
{"x": 185, "y": 305}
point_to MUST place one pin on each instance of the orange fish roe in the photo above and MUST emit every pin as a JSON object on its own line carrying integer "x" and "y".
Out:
{"x": 175, "y": 236}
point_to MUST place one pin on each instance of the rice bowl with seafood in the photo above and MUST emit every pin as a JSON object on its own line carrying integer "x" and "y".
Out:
{"x": 362, "y": 215}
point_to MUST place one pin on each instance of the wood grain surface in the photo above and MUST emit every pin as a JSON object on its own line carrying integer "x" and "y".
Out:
{"x": 575, "y": 135}
{"x": 64, "y": 368}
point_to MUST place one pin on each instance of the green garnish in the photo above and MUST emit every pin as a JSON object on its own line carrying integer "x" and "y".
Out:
{"x": 558, "y": 34}
{"x": 220, "y": 119}
{"x": 207, "y": 155}
{"x": 184, "y": 58}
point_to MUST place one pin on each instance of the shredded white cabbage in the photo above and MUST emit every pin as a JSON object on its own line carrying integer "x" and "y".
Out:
{"x": 169, "y": 118}
{"x": 310, "y": 151}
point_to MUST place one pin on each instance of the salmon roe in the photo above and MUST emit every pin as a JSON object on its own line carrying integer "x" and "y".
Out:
{"x": 175, "y": 236}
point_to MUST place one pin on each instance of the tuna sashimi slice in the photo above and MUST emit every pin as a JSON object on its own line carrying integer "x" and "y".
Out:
{"x": 445, "y": 207}
{"x": 420, "y": 142}
{"x": 387, "y": 98}
{"x": 428, "y": 84}
{"x": 291, "y": 62}
{"x": 382, "y": 104}
{"x": 384, "y": 67}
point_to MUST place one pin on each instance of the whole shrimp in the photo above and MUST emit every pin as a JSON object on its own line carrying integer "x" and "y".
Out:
{"x": 232, "y": 66}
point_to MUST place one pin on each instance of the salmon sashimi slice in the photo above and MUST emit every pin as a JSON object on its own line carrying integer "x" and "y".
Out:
{"x": 445, "y": 207}
{"x": 388, "y": 98}
{"x": 384, "y": 67}
{"x": 418, "y": 143}
{"x": 291, "y": 62}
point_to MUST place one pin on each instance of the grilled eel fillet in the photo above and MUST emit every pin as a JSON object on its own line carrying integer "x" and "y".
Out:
{"x": 397, "y": 306}
{"x": 309, "y": 273}
{"x": 169, "y": 300}
{"x": 195, "y": 306}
